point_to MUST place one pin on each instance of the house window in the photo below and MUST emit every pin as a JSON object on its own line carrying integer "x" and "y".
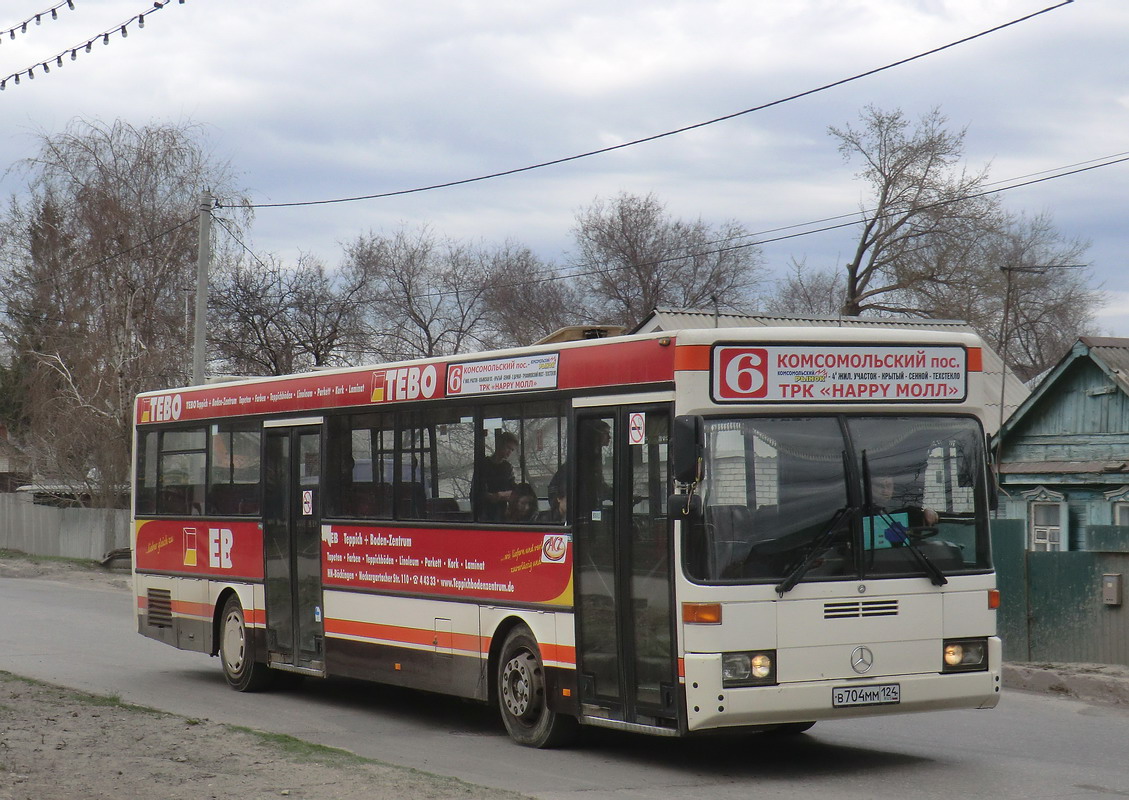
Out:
{"x": 1121, "y": 514}
{"x": 1046, "y": 527}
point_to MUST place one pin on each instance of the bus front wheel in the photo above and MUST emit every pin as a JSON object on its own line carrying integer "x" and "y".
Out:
{"x": 237, "y": 651}
{"x": 522, "y": 697}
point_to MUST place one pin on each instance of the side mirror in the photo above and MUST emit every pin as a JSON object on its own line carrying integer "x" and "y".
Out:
{"x": 686, "y": 449}
{"x": 993, "y": 475}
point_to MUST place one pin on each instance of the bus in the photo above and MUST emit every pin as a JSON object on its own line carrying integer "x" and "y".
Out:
{"x": 674, "y": 533}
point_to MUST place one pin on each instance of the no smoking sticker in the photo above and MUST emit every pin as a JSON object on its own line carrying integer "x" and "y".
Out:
{"x": 637, "y": 428}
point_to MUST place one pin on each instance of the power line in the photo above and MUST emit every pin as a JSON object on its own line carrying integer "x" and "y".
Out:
{"x": 1072, "y": 169}
{"x": 87, "y": 46}
{"x": 839, "y": 221}
{"x": 657, "y": 136}
{"x": 546, "y": 277}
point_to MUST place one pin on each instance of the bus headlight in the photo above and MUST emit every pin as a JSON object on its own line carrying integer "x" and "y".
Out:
{"x": 756, "y": 668}
{"x": 964, "y": 655}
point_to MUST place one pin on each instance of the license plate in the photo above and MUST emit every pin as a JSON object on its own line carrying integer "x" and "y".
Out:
{"x": 883, "y": 695}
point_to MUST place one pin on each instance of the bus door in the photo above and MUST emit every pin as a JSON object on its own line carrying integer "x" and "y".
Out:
{"x": 624, "y": 597}
{"x": 292, "y": 544}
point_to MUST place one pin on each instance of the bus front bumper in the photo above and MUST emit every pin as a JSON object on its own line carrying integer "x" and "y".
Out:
{"x": 710, "y": 705}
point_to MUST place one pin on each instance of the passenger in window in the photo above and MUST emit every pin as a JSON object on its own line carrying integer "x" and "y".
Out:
{"x": 523, "y": 504}
{"x": 558, "y": 498}
{"x": 882, "y": 492}
{"x": 498, "y": 477}
{"x": 593, "y": 488}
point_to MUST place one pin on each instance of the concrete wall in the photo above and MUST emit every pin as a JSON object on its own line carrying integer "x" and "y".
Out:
{"x": 86, "y": 533}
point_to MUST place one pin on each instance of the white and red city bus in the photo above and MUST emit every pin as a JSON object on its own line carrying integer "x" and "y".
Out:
{"x": 741, "y": 529}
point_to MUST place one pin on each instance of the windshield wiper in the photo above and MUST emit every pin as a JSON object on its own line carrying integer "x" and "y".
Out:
{"x": 822, "y": 542}
{"x": 819, "y": 547}
{"x": 936, "y": 576}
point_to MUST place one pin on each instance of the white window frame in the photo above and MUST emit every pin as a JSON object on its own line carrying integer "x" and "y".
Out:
{"x": 1047, "y": 538}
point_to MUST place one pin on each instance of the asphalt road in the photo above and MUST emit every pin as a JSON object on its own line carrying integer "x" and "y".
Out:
{"x": 1031, "y": 746}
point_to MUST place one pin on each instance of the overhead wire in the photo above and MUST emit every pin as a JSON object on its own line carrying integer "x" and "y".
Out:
{"x": 665, "y": 134}
{"x": 853, "y": 217}
{"x": 854, "y": 220}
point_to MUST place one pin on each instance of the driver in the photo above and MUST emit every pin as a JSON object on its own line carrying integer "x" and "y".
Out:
{"x": 882, "y": 493}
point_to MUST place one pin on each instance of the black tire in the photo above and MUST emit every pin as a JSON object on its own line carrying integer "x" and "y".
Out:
{"x": 792, "y": 728}
{"x": 237, "y": 651}
{"x": 522, "y": 699}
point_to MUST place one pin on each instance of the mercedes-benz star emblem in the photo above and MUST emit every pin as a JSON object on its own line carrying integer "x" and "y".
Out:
{"x": 862, "y": 659}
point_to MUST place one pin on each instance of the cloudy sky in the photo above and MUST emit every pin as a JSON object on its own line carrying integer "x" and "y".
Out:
{"x": 324, "y": 99}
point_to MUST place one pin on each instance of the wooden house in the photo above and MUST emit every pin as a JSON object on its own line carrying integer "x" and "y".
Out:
{"x": 1064, "y": 454}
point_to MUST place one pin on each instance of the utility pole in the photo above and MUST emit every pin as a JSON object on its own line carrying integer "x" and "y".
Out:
{"x": 203, "y": 267}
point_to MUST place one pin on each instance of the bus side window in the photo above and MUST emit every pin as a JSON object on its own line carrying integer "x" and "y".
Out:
{"x": 361, "y": 466}
{"x": 436, "y": 465}
{"x": 181, "y": 472}
{"x": 147, "y": 473}
{"x": 235, "y": 472}
{"x": 520, "y": 478}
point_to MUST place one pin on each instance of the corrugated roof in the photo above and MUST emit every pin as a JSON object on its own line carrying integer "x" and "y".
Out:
{"x": 670, "y": 319}
{"x": 1113, "y": 353}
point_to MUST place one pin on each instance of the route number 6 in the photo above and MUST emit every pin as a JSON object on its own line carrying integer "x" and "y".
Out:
{"x": 743, "y": 372}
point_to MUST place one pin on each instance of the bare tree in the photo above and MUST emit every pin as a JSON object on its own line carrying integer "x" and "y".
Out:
{"x": 807, "y": 292}
{"x": 631, "y": 257}
{"x": 96, "y": 257}
{"x": 422, "y": 297}
{"x": 919, "y": 200}
{"x": 273, "y": 319}
{"x": 1029, "y": 271}
{"x": 932, "y": 244}
{"x": 527, "y": 298}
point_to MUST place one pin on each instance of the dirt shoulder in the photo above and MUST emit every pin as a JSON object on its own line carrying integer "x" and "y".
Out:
{"x": 58, "y": 744}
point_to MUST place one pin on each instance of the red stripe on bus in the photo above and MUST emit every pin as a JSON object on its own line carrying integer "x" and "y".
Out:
{"x": 648, "y": 361}
{"x": 975, "y": 359}
{"x": 560, "y": 653}
{"x": 403, "y": 635}
{"x": 186, "y": 609}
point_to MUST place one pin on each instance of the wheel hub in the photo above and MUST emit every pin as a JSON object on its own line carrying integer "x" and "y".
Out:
{"x": 233, "y": 642}
{"x": 518, "y": 685}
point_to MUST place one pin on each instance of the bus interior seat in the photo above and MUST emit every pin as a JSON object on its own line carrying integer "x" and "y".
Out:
{"x": 445, "y": 508}
{"x": 411, "y": 501}
{"x": 233, "y": 499}
{"x": 367, "y": 500}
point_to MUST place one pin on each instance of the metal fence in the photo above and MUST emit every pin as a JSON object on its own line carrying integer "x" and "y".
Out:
{"x": 1054, "y": 605}
{"x": 87, "y": 533}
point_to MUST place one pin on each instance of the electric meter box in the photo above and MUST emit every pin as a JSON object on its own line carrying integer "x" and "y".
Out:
{"x": 1111, "y": 589}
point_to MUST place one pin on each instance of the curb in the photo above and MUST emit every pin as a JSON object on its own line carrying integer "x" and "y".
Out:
{"x": 1106, "y": 684}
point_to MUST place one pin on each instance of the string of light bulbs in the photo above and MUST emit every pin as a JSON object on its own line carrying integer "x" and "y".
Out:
{"x": 87, "y": 46}
{"x": 21, "y": 27}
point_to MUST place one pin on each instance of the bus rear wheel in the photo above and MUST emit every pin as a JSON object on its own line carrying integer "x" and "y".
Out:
{"x": 237, "y": 651}
{"x": 522, "y": 697}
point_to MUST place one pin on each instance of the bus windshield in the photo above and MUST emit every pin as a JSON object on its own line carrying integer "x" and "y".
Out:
{"x": 840, "y": 497}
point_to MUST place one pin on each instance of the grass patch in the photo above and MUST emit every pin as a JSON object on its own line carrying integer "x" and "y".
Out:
{"x": 302, "y": 750}
{"x": 64, "y": 694}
